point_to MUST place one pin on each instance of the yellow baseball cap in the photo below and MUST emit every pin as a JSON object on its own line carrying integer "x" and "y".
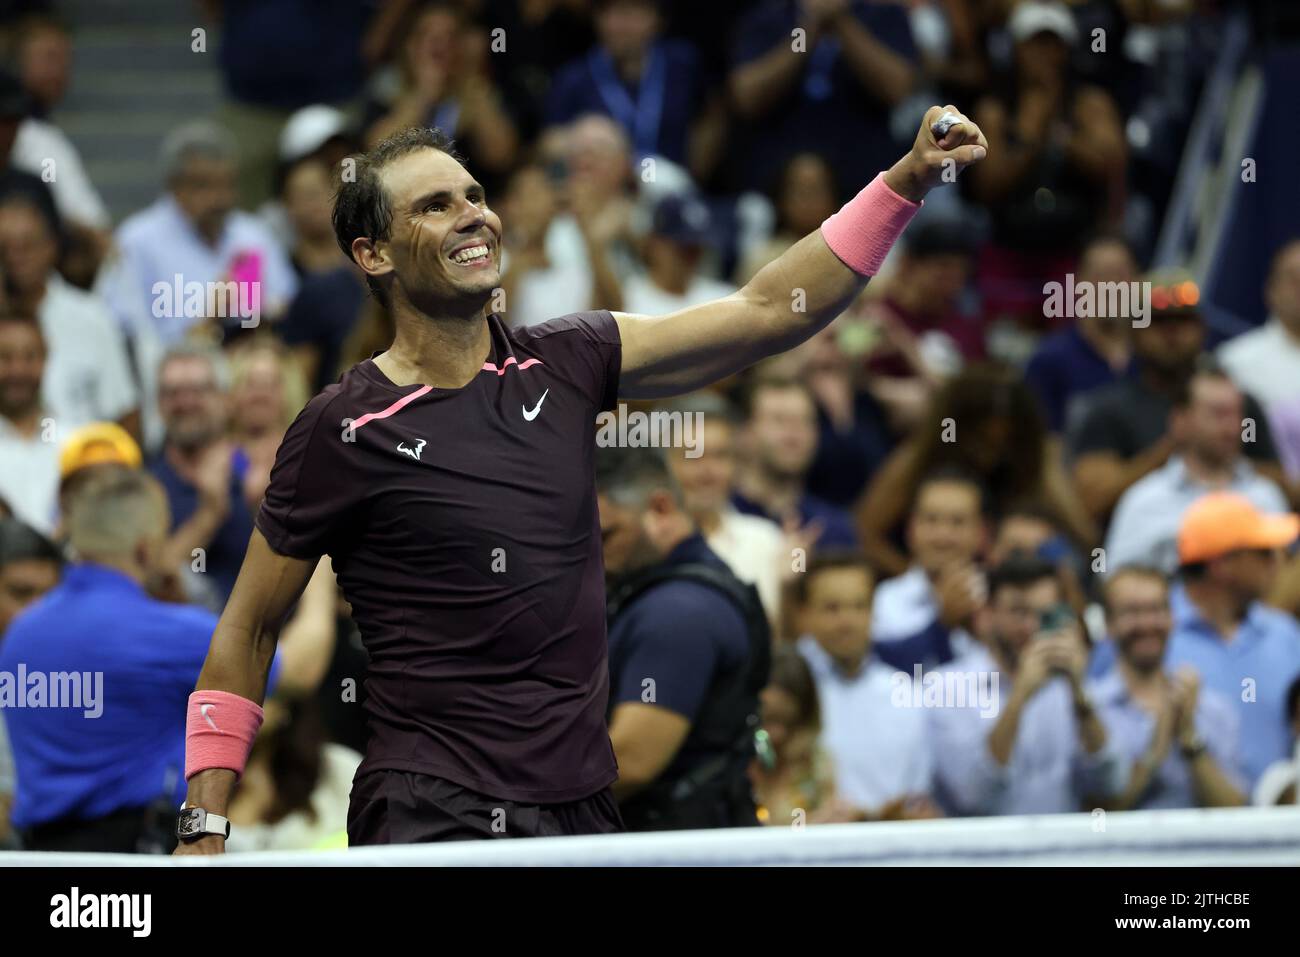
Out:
{"x": 98, "y": 443}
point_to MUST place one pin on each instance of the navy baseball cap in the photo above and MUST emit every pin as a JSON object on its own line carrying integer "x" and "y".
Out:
{"x": 682, "y": 218}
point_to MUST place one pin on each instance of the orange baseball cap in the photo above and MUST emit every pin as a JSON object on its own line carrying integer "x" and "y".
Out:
{"x": 1224, "y": 522}
{"x": 97, "y": 444}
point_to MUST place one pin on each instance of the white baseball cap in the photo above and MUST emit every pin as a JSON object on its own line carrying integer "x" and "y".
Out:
{"x": 309, "y": 129}
{"x": 1036, "y": 16}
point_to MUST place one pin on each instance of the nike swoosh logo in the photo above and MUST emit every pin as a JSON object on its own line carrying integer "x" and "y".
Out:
{"x": 203, "y": 710}
{"x": 529, "y": 416}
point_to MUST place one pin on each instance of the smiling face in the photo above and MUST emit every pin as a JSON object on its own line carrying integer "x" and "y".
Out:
{"x": 1138, "y": 618}
{"x": 444, "y": 243}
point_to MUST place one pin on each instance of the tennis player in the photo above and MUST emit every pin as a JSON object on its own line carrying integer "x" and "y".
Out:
{"x": 450, "y": 479}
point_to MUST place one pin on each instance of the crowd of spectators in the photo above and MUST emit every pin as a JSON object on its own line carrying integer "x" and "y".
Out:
{"x": 1086, "y": 518}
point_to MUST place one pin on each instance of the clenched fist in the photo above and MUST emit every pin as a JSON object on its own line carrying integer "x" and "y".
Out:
{"x": 940, "y": 152}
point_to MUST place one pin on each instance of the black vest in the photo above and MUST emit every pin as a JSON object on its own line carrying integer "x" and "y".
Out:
{"x": 717, "y": 792}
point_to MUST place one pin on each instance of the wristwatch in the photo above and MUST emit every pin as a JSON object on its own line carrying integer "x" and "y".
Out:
{"x": 194, "y": 822}
{"x": 1193, "y": 749}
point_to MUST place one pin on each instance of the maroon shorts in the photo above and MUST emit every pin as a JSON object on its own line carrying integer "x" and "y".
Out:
{"x": 402, "y": 807}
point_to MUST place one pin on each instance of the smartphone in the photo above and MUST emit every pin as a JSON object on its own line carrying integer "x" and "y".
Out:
{"x": 1055, "y": 618}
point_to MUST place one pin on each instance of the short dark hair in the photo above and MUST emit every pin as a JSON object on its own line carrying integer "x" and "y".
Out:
{"x": 829, "y": 560}
{"x": 1149, "y": 572}
{"x": 629, "y": 474}
{"x": 1021, "y": 571}
{"x": 1206, "y": 368}
{"x": 20, "y": 542}
{"x": 758, "y": 382}
{"x": 362, "y": 207}
{"x": 955, "y": 474}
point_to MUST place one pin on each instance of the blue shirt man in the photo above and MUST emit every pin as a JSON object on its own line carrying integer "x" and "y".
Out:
{"x": 1243, "y": 650}
{"x": 1065, "y": 367}
{"x": 126, "y": 749}
{"x": 225, "y": 551}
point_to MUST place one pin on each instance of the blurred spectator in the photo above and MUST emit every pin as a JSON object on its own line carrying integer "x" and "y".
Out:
{"x": 41, "y": 149}
{"x": 544, "y": 36}
{"x": 88, "y": 376}
{"x": 680, "y": 230}
{"x": 89, "y": 772}
{"x": 1181, "y": 740}
{"x": 267, "y": 391}
{"x": 828, "y": 87}
{"x": 308, "y": 196}
{"x": 294, "y": 792}
{"x": 1062, "y": 163}
{"x": 43, "y": 58}
{"x": 986, "y": 421}
{"x": 1124, "y": 429}
{"x": 318, "y": 134}
{"x": 536, "y": 285}
{"x": 1206, "y": 423}
{"x": 1040, "y": 747}
{"x": 923, "y": 330}
{"x": 29, "y": 567}
{"x": 193, "y": 238}
{"x": 331, "y": 290}
{"x": 105, "y": 772}
{"x": 1029, "y": 528}
{"x": 442, "y": 81}
{"x": 655, "y": 88}
{"x": 29, "y": 451}
{"x": 771, "y": 482}
{"x": 203, "y": 473}
{"x": 925, "y": 616}
{"x": 678, "y": 616}
{"x": 277, "y": 56}
{"x": 753, "y": 548}
{"x": 88, "y": 451}
{"x": 321, "y": 317}
{"x": 806, "y": 195}
{"x": 1266, "y": 361}
{"x": 21, "y": 175}
{"x": 891, "y": 766}
{"x": 853, "y": 432}
{"x": 1244, "y": 650}
{"x": 1280, "y": 782}
{"x": 797, "y": 780}
{"x": 1095, "y": 350}
{"x": 590, "y": 166}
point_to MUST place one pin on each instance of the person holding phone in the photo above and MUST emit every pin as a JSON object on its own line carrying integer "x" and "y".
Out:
{"x": 1038, "y": 745}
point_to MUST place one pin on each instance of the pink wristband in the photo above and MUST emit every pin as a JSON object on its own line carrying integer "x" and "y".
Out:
{"x": 219, "y": 731}
{"x": 863, "y": 231}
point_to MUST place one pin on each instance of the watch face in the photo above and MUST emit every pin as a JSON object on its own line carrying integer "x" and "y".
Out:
{"x": 190, "y": 822}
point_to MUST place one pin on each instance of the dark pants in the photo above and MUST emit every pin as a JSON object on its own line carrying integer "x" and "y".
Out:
{"x": 402, "y": 807}
{"x": 129, "y": 831}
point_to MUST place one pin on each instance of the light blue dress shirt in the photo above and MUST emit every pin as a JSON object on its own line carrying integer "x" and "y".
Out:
{"x": 1144, "y": 528}
{"x": 1049, "y": 771}
{"x": 1129, "y": 727}
{"x": 1252, "y": 670}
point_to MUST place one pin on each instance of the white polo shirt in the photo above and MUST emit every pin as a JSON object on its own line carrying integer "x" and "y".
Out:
{"x": 88, "y": 376}
{"x": 29, "y": 474}
{"x": 880, "y": 750}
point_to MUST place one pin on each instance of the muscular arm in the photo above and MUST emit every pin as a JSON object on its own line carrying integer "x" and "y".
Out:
{"x": 239, "y": 658}
{"x": 646, "y": 738}
{"x": 1102, "y": 477}
{"x": 788, "y": 301}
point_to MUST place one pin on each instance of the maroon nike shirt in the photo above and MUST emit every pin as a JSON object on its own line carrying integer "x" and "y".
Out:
{"x": 463, "y": 527}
